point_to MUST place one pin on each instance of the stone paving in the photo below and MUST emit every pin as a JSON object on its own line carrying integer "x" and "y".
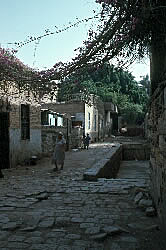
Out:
{"x": 41, "y": 209}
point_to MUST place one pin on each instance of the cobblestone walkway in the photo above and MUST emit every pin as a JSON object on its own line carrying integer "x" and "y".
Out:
{"x": 41, "y": 209}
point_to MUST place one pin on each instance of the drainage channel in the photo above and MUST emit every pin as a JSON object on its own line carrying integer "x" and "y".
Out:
{"x": 124, "y": 161}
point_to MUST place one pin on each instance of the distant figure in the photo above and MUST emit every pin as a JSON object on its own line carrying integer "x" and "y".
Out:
{"x": 87, "y": 140}
{"x": 59, "y": 153}
{"x": 84, "y": 141}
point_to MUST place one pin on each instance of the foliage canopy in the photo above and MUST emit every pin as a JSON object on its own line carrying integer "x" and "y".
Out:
{"x": 111, "y": 85}
{"x": 126, "y": 31}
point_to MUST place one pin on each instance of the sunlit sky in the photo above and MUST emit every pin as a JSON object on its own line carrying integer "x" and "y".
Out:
{"x": 21, "y": 19}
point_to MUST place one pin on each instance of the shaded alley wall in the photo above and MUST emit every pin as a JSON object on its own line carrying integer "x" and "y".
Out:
{"x": 157, "y": 138}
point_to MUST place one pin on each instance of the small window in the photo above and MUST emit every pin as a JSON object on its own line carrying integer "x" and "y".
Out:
{"x": 56, "y": 122}
{"x": 102, "y": 123}
{"x": 88, "y": 120}
{"x": 25, "y": 122}
{"x": 44, "y": 118}
{"x": 95, "y": 123}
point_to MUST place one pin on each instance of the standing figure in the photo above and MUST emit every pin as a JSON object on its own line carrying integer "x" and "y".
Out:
{"x": 84, "y": 141}
{"x": 87, "y": 139}
{"x": 59, "y": 153}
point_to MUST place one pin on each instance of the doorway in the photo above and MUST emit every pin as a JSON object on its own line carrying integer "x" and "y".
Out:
{"x": 4, "y": 140}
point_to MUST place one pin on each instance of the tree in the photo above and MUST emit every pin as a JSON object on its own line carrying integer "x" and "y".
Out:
{"x": 145, "y": 83}
{"x": 129, "y": 30}
{"x": 111, "y": 85}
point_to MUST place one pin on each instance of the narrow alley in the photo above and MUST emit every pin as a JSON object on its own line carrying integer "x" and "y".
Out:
{"x": 45, "y": 210}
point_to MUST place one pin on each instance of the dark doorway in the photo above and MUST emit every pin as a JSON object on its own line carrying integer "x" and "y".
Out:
{"x": 115, "y": 122}
{"x": 4, "y": 140}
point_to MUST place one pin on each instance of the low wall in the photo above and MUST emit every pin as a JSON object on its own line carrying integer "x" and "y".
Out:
{"x": 135, "y": 131}
{"x": 49, "y": 134}
{"x": 107, "y": 167}
{"x": 136, "y": 151}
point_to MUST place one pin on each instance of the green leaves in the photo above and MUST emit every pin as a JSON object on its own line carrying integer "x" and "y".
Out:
{"x": 111, "y": 85}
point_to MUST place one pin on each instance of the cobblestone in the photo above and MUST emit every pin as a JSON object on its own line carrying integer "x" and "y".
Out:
{"x": 41, "y": 209}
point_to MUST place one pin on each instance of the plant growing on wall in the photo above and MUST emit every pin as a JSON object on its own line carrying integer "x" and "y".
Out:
{"x": 14, "y": 72}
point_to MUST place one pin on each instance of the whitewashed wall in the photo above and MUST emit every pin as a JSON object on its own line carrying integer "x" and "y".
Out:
{"x": 92, "y": 131}
{"x": 21, "y": 150}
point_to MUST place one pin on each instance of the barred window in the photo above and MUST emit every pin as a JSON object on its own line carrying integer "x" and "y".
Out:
{"x": 25, "y": 122}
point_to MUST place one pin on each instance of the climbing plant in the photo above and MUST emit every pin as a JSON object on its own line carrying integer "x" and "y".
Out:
{"x": 25, "y": 78}
{"x": 128, "y": 30}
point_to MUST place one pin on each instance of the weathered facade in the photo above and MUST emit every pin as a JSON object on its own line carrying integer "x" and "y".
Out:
{"x": 20, "y": 127}
{"x": 83, "y": 115}
{"x": 157, "y": 137}
{"x": 49, "y": 135}
{"x": 79, "y": 118}
{"x": 60, "y": 122}
{"x": 96, "y": 118}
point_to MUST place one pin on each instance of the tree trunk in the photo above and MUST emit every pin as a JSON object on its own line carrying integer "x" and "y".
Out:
{"x": 158, "y": 47}
{"x": 158, "y": 62}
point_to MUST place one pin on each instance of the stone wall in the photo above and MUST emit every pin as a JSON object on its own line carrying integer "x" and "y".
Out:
{"x": 136, "y": 151}
{"x": 157, "y": 137}
{"x": 76, "y": 137}
{"x": 49, "y": 135}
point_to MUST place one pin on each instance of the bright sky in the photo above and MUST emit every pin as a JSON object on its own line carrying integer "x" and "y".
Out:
{"x": 21, "y": 19}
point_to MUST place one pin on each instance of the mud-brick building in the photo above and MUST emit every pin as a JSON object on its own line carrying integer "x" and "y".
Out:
{"x": 52, "y": 123}
{"x": 157, "y": 137}
{"x": 20, "y": 127}
{"x": 83, "y": 115}
{"x": 93, "y": 116}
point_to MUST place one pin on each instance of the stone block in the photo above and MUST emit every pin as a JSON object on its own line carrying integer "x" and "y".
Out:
{"x": 138, "y": 197}
{"x": 143, "y": 203}
{"x": 150, "y": 212}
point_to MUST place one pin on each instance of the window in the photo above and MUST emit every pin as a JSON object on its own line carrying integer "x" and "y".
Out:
{"x": 56, "y": 122}
{"x": 102, "y": 123}
{"x": 25, "y": 122}
{"x": 95, "y": 123}
{"x": 88, "y": 120}
{"x": 44, "y": 118}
